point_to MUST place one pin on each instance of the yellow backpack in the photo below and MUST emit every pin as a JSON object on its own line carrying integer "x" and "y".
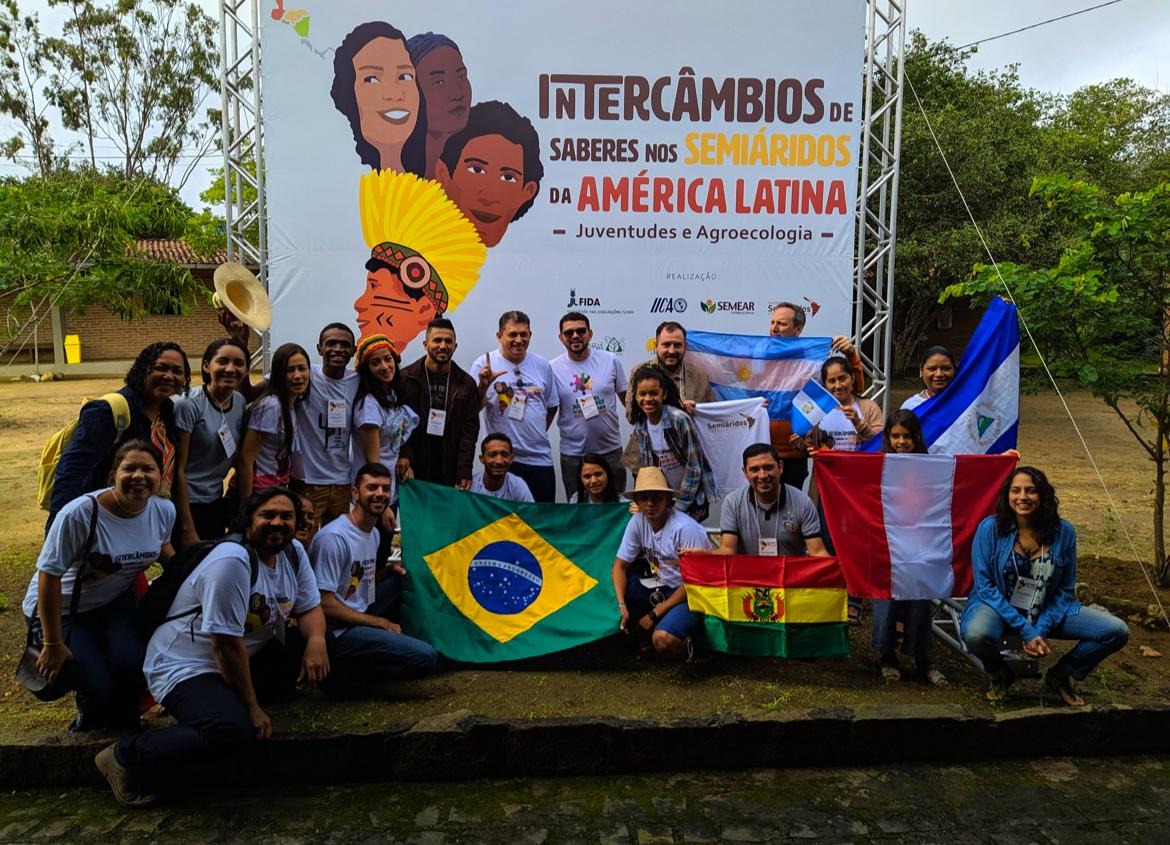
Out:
{"x": 58, "y": 442}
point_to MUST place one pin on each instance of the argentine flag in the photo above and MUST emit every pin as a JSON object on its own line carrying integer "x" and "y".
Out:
{"x": 979, "y": 412}
{"x": 810, "y": 406}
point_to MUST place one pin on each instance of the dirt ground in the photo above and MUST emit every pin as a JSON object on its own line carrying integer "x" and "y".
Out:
{"x": 1114, "y": 533}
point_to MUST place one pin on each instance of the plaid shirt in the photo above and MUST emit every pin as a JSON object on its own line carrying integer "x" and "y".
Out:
{"x": 698, "y": 484}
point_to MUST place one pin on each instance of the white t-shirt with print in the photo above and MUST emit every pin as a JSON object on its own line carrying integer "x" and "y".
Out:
{"x": 583, "y": 385}
{"x": 661, "y": 548}
{"x": 227, "y": 604}
{"x": 343, "y": 560}
{"x": 122, "y": 547}
{"x": 514, "y": 489}
{"x": 837, "y": 425}
{"x": 534, "y": 381}
{"x": 323, "y": 453}
{"x": 394, "y": 426}
{"x": 266, "y": 417}
{"x": 671, "y": 467}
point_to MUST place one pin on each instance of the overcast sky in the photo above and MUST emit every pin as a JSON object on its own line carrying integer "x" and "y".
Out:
{"x": 1130, "y": 38}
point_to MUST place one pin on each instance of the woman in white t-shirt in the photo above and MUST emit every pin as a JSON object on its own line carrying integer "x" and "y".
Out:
{"x": 937, "y": 371}
{"x": 381, "y": 424}
{"x": 270, "y": 429}
{"x": 80, "y": 606}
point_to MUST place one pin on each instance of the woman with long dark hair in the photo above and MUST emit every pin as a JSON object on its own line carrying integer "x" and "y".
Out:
{"x": 80, "y": 606}
{"x": 595, "y": 481}
{"x": 158, "y": 373}
{"x": 211, "y": 426}
{"x": 270, "y": 426}
{"x": 381, "y": 423}
{"x": 1025, "y": 565}
{"x": 376, "y": 87}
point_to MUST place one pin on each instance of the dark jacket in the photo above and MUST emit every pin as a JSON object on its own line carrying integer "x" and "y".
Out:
{"x": 461, "y": 434}
{"x": 85, "y": 464}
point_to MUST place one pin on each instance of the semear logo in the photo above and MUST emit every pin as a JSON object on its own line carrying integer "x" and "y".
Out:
{"x": 504, "y": 577}
{"x": 724, "y": 306}
{"x": 668, "y": 305}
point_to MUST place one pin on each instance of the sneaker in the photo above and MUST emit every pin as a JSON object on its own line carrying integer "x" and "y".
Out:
{"x": 120, "y": 781}
{"x": 693, "y": 655}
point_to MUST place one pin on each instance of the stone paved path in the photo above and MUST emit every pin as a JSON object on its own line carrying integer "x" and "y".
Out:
{"x": 1123, "y": 800}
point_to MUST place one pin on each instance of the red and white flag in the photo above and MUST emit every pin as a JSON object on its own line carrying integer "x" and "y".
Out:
{"x": 903, "y": 524}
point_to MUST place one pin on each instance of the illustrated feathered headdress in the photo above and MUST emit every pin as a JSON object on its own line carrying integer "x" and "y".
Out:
{"x": 410, "y": 224}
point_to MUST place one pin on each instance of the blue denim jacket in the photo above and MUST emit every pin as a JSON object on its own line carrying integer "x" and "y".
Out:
{"x": 990, "y": 556}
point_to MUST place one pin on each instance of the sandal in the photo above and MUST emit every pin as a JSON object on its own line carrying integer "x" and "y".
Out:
{"x": 854, "y": 614}
{"x": 891, "y": 674}
{"x": 1000, "y": 685}
{"x": 694, "y": 655}
{"x": 1061, "y": 684}
{"x": 935, "y": 678}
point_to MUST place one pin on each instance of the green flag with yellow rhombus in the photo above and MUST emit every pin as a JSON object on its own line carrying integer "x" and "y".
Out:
{"x": 492, "y": 580}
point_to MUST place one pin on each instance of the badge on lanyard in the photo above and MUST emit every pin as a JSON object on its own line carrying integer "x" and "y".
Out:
{"x": 335, "y": 416}
{"x": 436, "y": 422}
{"x": 1024, "y": 594}
{"x": 228, "y": 441}
{"x": 769, "y": 546}
{"x": 588, "y": 406}
{"x": 516, "y": 407}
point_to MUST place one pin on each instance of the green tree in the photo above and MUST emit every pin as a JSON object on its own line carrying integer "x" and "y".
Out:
{"x": 1101, "y": 313}
{"x": 24, "y": 72}
{"x": 68, "y": 240}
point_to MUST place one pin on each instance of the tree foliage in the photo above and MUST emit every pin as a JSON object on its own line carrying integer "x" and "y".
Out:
{"x": 24, "y": 71}
{"x": 68, "y": 240}
{"x": 1100, "y": 314}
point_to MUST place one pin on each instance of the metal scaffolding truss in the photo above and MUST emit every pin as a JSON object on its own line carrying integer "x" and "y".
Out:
{"x": 877, "y": 195}
{"x": 245, "y": 215}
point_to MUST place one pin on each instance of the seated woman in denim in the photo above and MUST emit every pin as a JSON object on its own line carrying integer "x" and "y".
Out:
{"x": 1025, "y": 562}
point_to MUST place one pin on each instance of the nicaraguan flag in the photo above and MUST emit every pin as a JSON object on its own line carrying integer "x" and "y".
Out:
{"x": 810, "y": 406}
{"x": 772, "y": 368}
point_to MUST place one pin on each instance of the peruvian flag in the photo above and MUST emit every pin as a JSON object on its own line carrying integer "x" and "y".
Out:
{"x": 903, "y": 524}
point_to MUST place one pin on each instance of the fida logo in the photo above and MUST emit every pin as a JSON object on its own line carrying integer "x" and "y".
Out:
{"x": 724, "y": 306}
{"x": 668, "y": 305}
{"x": 582, "y": 301}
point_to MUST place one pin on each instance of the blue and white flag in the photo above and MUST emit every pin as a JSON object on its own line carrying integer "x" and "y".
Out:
{"x": 979, "y": 412}
{"x": 810, "y": 406}
{"x": 744, "y": 366}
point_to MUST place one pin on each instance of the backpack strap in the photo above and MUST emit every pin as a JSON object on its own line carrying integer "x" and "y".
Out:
{"x": 120, "y": 408}
{"x": 83, "y": 564}
{"x": 253, "y": 566}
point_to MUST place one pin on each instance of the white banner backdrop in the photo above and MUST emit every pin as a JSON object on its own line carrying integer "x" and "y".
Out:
{"x": 699, "y": 164}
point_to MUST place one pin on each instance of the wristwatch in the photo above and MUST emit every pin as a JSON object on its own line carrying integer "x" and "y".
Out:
{"x": 653, "y": 616}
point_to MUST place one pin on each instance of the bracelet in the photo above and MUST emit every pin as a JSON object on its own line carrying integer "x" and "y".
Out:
{"x": 621, "y": 604}
{"x": 46, "y": 643}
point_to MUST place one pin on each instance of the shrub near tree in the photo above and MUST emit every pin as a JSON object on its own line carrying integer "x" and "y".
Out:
{"x": 1101, "y": 315}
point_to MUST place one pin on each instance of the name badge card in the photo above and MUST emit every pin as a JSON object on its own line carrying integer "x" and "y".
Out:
{"x": 1024, "y": 594}
{"x": 436, "y": 422}
{"x": 588, "y": 406}
{"x": 228, "y": 441}
{"x": 769, "y": 547}
{"x": 336, "y": 416}
{"x": 516, "y": 408}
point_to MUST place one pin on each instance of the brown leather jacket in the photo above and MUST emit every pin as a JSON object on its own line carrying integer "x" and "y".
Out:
{"x": 461, "y": 434}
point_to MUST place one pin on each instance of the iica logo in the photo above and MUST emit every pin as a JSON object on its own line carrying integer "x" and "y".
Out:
{"x": 668, "y": 305}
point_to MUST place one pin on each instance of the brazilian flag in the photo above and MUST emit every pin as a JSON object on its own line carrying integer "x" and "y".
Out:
{"x": 492, "y": 580}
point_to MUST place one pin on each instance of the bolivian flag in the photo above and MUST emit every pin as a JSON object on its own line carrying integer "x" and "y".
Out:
{"x": 769, "y": 606}
{"x": 491, "y": 580}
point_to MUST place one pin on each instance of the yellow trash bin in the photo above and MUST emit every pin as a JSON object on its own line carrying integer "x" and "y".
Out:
{"x": 72, "y": 349}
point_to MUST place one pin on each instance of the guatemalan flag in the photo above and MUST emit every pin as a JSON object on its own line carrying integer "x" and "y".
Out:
{"x": 772, "y": 368}
{"x": 810, "y": 406}
{"x": 903, "y": 524}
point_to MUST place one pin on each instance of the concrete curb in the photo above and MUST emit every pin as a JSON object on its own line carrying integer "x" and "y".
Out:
{"x": 462, "y": 746}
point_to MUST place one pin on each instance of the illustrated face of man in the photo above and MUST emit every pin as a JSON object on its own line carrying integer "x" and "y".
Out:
{"x": 273, "y": 525}
{"x": 372, "y": 493}
{"x": 496, "y": 458}
{"x": 387, "y": 97}
{"x": 575, "y": 336}
{"x": 783, "y": 323}
{"x": 671, "y": 348}
{"x": 763, "y": 474}
{"x": 514, "y": 339}
{"x": 440, "y": 345}
{"x": 488, "y": 184}
{"x": 390, "y": 308}
{"x": 336, "y": 348}
{"x": 446, "y": 88}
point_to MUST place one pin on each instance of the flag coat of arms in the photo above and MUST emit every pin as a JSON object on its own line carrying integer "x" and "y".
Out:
{"x": 903, "y": 524}
{"x": 769, "y": 606}
{"x": 491, "y": 580}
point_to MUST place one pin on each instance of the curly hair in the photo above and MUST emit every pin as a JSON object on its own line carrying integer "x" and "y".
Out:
{"x": 652, "y": 372}
{"x": 492, "y": 117}
{"x": 136, "y": 376}
{"x": 1045, "y": 522}
{"x": 257, "y": 500}
{"x": 414, "y": 151}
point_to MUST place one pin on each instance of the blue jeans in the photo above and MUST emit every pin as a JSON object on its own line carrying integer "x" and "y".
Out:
{"x": 363, "y": 654}
{"x": 108, "y": 653}
{"x": 1099, "y": 635}
{"x": 915, "y": 619}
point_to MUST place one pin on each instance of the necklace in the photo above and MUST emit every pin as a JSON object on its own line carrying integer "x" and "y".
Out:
{"x": 126, "y": 513}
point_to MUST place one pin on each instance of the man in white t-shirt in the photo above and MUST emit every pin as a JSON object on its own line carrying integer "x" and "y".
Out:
{"x": 321, "y": 466}
{"x": 496, "y": 456}
{"x": 363, "y": 647}
{"x": 520, "y": 398}
{"x": 198, "y": 663}
{"x": 656, "y": 605}
{"x": 592, "y": 386}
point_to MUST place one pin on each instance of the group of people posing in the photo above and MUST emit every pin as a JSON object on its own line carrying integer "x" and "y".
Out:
{"x": 278, "y": 601}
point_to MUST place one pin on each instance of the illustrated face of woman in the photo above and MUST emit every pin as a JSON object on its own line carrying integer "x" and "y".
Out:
{"x": 937, "y": 372}
{"x": 166, "y": 377}
{"x": 225, "y": 370}
{"x": 383, "y": 366}
{"x": 137, "y": 477}
{"x": 594, "y": 478}
{"x": 297, "y": 374}
{"x": 901, "y": 440}
{"x": 386, "y": 94}
{"x": 840, "y": 384}
{"x": 650, "y": 398}
{"x": 1023, "y": 496}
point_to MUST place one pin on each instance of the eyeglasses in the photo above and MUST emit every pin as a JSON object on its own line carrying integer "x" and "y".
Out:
{"x": 574, "y": 332}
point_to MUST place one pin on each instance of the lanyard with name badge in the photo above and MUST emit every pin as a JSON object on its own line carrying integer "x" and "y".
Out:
{"x": 770, "y": 546}
{"x": 1026, "y": 590}
{"x": 436, "y": 418}
{"x": 224, "y": 433}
